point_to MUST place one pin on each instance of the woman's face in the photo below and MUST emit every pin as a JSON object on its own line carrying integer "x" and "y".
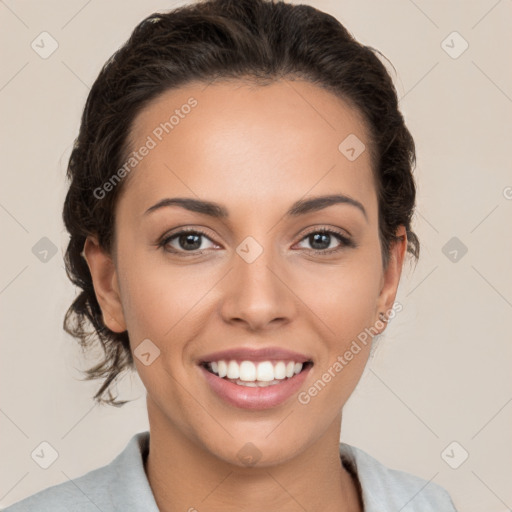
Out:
{"x": 256, "y": 277}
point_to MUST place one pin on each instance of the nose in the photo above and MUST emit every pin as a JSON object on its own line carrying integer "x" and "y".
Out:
{"x": 257, "y": 294}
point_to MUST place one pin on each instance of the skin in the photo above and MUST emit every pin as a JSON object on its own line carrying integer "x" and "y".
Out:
{"x": 255, "y": 150}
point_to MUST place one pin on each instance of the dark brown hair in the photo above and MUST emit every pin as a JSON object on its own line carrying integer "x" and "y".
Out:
{"x": 257, "y": 40}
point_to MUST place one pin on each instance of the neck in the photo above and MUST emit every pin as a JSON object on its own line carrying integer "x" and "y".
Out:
{"x": 185, "y": 476}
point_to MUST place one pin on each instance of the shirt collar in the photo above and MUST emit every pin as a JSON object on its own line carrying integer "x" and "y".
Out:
{"x": 132, "y": 488}
{"x": 130, "y": 484}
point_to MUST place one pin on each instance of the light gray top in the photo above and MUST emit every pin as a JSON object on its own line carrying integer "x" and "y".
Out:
{"x": 122, "y": 486}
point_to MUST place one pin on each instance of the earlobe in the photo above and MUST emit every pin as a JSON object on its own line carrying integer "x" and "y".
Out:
{"x": 392, "y": 273}
{"x": 104, "y": 278}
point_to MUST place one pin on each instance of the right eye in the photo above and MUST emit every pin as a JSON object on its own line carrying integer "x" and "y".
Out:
{"x": 185, "y": 241}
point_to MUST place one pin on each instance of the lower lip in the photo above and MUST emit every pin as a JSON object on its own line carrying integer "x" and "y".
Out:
{"x": 255, "y": 398}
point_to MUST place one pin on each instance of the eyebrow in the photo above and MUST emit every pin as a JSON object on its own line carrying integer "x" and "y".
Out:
{"x": 300, "y": 207}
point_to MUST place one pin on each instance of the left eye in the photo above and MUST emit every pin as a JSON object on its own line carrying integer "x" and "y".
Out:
{"x": 321, "y": 240}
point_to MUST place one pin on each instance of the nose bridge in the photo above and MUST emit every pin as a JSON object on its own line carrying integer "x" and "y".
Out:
{"x": 256, "y": 292}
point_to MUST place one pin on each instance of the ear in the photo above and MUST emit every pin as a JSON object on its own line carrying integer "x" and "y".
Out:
{"x": 391, "y": 277}
{"x": 106, "y": 285}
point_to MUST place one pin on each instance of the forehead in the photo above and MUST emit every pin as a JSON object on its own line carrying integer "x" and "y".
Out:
{"x": 247, "y": 144}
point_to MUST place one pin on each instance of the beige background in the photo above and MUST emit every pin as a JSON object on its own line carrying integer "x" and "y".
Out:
{"x": 442, "y": 370}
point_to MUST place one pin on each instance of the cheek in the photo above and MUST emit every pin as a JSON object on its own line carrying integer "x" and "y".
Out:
{"x": 160, "y": 298}
{"x": 346, "y": 299}
{"x": 347, "y": 306}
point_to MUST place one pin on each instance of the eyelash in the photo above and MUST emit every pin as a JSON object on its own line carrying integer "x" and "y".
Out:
{"x": 345, "y": 242}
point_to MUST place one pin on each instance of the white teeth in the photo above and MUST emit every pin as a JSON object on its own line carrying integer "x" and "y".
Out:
{"x": 257, "y": 384}
{"x": 265, "y": 371}
{"x": 222, "y": 368}
{"x": 233, "y": 370}
{"x": 248, "y": 384}
{"x": 249, "y": 373}
{"x": 280, "y": 371}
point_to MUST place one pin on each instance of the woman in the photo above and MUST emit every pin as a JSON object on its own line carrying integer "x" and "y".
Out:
{"x": 240, "y": 206}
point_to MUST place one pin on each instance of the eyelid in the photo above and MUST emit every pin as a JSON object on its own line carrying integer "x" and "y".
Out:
{"x": 325, "y": 228}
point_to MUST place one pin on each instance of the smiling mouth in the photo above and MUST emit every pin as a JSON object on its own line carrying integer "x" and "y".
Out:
{"x": 256, "y": 374}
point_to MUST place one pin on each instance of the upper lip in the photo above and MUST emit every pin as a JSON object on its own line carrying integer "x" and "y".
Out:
{"x": 255, "y": 354}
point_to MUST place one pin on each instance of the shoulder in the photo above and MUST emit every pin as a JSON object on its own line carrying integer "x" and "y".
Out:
{"x": 386, "y": 489}
{"x": 81, "y": 494}
{"x": 120, "y": 485}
